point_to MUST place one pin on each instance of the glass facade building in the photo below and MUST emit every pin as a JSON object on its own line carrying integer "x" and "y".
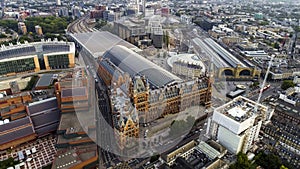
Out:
{"x": 58, "y": 61}
{"x": 36, "y": 56}
{"x": 17, "y": 66}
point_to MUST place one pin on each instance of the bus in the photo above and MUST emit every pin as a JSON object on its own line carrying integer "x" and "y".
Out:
{"x": 265, "y": 88}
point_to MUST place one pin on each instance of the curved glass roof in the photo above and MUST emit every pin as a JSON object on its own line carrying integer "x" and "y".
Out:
{"x": 136, "y": 65}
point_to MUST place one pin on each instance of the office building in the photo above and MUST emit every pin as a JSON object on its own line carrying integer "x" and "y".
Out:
{"x": 131, "y": 29}
{"x": 63, "y": 11}
{"x": 236, "y": 124}
{"x": 155, "y": 31}
{"x": 32, "y": 57}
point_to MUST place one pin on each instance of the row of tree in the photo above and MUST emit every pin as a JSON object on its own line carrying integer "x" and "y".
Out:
{"x": 268, "y": 161}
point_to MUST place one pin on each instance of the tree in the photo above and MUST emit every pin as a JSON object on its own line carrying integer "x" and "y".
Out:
{"x": 297, "y": 29}
{"x": 283, "y": 167}
{"x": 10, "y": 24}
{"x": 276, "y": 45}
{"x": 270, "y": 161}
{"x": 10, "y": 162}
{"x": 287, "y": 84}
{"x": 241, "y": 163}
{"x": 49, "y": 24}
{"x": 255, "y": 84}
{"x": 154, "y": 158}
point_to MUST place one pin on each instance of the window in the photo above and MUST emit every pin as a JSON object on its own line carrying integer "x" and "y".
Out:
{"x": 58, "y": 61}
{"x": 17, "y": 66}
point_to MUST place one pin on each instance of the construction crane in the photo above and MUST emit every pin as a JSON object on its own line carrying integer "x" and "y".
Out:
{"x": 264, "y": 83}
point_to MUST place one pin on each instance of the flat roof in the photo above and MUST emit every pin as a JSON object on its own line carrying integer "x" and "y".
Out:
{"x": 237, "y": 112}
{"x": 240, "y": 109}
{"x": 45, "y": 80}
{"x": 208, "y": 150}
{"x": 68, "y": 121}
{"x": 16, "y": 134}
{"x": 78, "y": 91}
{"x": 35, "y": 48}
{"x": 97, "y": 43}
{"x": 41, "y": 106}
{"x": 234, "y": 93}
{"x": 15, "y": 124}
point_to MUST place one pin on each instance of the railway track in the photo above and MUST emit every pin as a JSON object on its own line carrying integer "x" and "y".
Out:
{"x": 79, "y": 26}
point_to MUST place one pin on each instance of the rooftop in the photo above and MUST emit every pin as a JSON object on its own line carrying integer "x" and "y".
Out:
{"x": 190, "y": 59}
{"x": 240, "y": 109}
{"x": 15, "y": 130}
{"x": 120, "y": 101}
{"x": 45, "y": 80}
{"x": 68, "y": 158}
{"x": 30, "y": 49}
{"x": 136, "y": 65}
{"x": 79, "y": 91}
{"x": 213, "y": 56}
{"x": 223, "y": 53}
{"x": 97, "y": 43}
{"x": 69, "y": 121}
{"x": 43, "y": 105}
{"x": 208, "y": 150}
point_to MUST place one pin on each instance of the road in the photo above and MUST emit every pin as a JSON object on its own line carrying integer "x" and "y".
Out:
{"x": 274, "y": 88}
{"x": 105, "y": 133}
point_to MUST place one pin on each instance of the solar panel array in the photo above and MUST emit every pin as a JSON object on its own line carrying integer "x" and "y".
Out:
{"x": 49, "y": 48}
{"x": 13, "y": 124}
{"x": 15, "y": 52}
{"x": 45, "y": 119}
{"x": 47, "y": 129}
{"x": 17, "y": 134}
{"x": 33, "y": 49}
{"x": 39, "y": 107}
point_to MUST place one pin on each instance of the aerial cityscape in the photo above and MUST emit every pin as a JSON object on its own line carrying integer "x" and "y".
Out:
{"x": 149, "y": 84}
